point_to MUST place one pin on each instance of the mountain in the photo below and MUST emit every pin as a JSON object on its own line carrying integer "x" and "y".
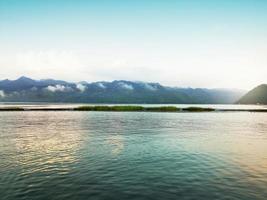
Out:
{"x": 48, "y": 90}
{"x": 258, "y": 95}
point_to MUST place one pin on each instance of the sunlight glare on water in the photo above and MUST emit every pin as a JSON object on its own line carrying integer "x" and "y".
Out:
{"x": 109, "y": 155}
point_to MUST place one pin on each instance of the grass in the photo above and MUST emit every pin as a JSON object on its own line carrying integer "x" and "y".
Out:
{"x": 198, "y": 109}
{"x": 103, "y": 108}
{"x": 163, "y": 109}
{"x": 12, "y": 109}
{"x": 132, "y": 109}
{"x": 110, "y": 108}
{"x": 141, "y": 108}
{"x": 128, "y": 108}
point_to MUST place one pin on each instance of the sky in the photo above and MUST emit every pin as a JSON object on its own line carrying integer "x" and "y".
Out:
{"x": 184, "y": 43}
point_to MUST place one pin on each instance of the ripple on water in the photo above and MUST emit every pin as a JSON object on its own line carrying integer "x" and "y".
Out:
{"x": 79, "y": 155}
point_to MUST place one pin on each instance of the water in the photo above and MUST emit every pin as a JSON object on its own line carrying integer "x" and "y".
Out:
{"x": 111, "y": 155}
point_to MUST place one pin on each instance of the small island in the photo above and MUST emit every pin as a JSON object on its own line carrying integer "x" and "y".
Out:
{"x": 119, "y": 108}
{"x": 130, "y": 108}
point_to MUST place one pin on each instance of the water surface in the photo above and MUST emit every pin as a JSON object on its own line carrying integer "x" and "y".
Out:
{"x": 111, "y": 155}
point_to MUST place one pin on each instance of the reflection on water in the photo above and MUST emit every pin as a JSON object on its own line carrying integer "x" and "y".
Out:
{"x": 39, "y": 142}
{"x": 116, "y": 143}
{"x": 106, "y": 155}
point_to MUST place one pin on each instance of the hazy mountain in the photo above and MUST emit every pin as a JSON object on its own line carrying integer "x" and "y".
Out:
{"x": 48, "y": 90}
{"x": 257, "y": 95}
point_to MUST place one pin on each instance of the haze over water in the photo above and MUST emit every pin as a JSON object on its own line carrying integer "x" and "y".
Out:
{"x": 122, "y": 155}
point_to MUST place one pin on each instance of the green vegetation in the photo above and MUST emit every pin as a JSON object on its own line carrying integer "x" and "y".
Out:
{"x": 110, "y": 108}
{"x": 198, "y": 109}
{"x": 133, "y": 109}
{"x": 162, "y": 109}
{"x": 256, "y": 96}
{"x": 12, "y": 109}
{"x": 140, "y": 108}
{"x": 128, "y": 108}
{"x": 116, "y": 92}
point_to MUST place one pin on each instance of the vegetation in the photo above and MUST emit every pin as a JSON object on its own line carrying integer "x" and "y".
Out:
{"x": 162, "y": 109}
{"x": 198, "y": 109}
{"x": 116, "y": 92}
{"x": 110, "y": 108}
{"x": 127, "y": 108}
{"x": 12, "y": 109}
{"x": 140, "y": 108}
{"x": 256, "y": 96}
{"x": 133, "y": 109}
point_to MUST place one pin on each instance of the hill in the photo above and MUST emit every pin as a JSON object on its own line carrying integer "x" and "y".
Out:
{"x": 257, "y": 95}
{"x": 48, "y": 90}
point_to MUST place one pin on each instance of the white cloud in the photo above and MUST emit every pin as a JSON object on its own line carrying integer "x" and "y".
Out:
{"x": 125, "y": 86}
{"x": 2, "y": 94}
{"x": 101, "y": 85}
{"x": 58, "y": 88}
{"x": 81, "y": 87}
{"x": 149, "y": 87}
{"x": 41, "y": 64}
{"x": 213, "y": 64}
{"x": 34, "y": 89}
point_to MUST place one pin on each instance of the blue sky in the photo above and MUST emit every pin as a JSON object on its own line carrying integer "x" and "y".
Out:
{"x": 197, "y": 43}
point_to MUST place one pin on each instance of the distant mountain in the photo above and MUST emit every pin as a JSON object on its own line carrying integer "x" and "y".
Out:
{"x": 256, "y": 96}
{"x": 48, "y": 90}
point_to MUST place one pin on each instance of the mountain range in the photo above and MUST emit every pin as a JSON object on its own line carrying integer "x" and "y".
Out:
{"x": 48, "y": 90}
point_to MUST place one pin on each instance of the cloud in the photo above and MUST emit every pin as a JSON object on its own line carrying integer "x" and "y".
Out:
{"x": 2, "y": 94}
{"x": 40, "y": 64}
{"x": 34, "y": 89}
{"x": 58, "y": 88}
{"x": 101, "y": 85}
{"x": 193, "y": 66}
{"x": 125, "y": 86}
{"x": 149, "y": 87}
{"x": 81, "y": 87}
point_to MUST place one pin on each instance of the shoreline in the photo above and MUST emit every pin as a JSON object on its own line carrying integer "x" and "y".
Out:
{"x": 168, "y": 109}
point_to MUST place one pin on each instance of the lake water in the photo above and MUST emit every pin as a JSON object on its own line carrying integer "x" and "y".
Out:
{"x": 123, "y": 155}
